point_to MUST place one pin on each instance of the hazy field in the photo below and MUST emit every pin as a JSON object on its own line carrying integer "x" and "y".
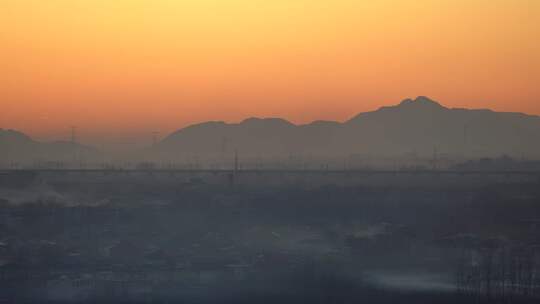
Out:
{"x": 277, "y": 238}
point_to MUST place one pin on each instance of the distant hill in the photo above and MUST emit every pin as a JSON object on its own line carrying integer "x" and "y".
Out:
{"x": 414, "y": 127}
{"x": 20, "y": 148}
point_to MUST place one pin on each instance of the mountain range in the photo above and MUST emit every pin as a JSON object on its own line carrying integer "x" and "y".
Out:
{"x": 418, "y": 127}
{"x": 414, "y": 127}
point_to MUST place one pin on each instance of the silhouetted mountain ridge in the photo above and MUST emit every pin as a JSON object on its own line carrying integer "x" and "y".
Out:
{"x": 414, "y": 126}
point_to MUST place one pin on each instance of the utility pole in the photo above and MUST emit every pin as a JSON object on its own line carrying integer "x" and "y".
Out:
{"x": 233, "y": 175}
{"x": 235, "y": 162}
{"x": 224, "y": 143}
{"x": 465, "y": 129}
{"x": 435, "y": 158}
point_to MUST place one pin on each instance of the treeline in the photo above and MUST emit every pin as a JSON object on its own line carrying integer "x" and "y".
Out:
{"x": 499, "y": 271}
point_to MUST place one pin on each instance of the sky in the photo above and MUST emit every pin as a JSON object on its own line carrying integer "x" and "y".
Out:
{"x": 120, "y": 70}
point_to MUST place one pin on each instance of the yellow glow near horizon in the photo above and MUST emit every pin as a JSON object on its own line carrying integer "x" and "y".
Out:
{"x": 140, "y": 65}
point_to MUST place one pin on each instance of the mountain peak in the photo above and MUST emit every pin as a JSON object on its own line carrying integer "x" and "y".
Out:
{"x": 420, "y": 104}
{"x": 265, "y": 121}
{"x": 8, "y": 134}
{"x": 421, "y": 101}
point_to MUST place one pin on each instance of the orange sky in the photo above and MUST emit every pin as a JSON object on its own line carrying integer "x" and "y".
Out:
{"x": 123, "y": 68}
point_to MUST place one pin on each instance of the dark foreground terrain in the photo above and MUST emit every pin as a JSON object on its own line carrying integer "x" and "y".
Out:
{"x": 158, "y": 238}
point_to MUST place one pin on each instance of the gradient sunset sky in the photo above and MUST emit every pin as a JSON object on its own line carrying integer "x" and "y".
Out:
{"x": 124, "y": 68}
